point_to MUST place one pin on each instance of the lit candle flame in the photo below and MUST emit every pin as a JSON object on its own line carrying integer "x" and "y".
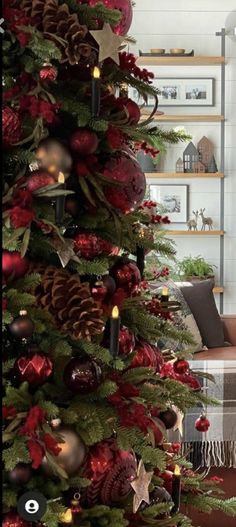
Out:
{"x": 177, "y": 471}
{"x": 115, "y": 312}
{"x": 96, "y": 73}
{"x": 66, "y": 517}
{"x": 52, "y": 169}
{"x": 165, "y": 291}
{"x": 61, "y": 178}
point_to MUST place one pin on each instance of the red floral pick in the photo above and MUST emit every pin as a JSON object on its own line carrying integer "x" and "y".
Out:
{"x": 216, "y": 479}
{"x": 33, "y": 421}
{"x": 22, "y": 198}
{"x": 21, "y": 217}
{"x": 36, "y": 452}
{"x": 8, "y": 411}
{"x": 51, "y": 444}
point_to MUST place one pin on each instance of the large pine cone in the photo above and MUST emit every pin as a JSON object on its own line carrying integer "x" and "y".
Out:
{"x": 57, "y": 21}
{"x": 69, "y": 301}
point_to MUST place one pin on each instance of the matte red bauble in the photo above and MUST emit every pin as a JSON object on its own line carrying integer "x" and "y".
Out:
{"x": 181, "y": 366}
{"x": 131, "y": 107}
{"x": 34, "y": 368}
{"x": 147, "y": 356}
{"x": 20, "y": 475}
{"x": 98, "y": 291}
{"x": 124, "y": 6}
{"x": 110, "y": 471}
{"x": 158, "y": 429}
{"x": 39, "y": 179}
{"x": 90, "y": 245}
{"x": 202, "y": 424}
{"x": 192, "y": 382}
{"x": 13, "y": 264}
{"x": 12, "y": 519}
{"x": 22, "y": 327}
{"x": 126, "y": 275}
{"x": 125, "y": 170}
{"x": 84, "y": 142}
{"x": 126, "y": 341}
{"x": 82, "y": 376}
{"x": 71, "y": 455}
{"x": 11, "y": 126}
{"x": 169, "y": 418}
{"x": 48, "y": 73}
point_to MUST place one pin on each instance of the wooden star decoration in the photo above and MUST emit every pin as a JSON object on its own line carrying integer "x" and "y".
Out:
{"x": 179, "y": 423}
{"x": 140, "y": 486}
{"x": 65, "y": 250}
{"x": 108, "y": 42}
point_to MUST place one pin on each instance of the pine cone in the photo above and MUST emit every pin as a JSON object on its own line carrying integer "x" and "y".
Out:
{"x": 69, "y": 301}
{"x": 57, "y": 21}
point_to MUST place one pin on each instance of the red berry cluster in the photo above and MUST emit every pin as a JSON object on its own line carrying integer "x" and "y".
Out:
{"x": 128, "y": 63}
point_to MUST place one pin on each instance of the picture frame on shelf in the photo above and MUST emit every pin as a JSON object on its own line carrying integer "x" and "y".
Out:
{"x": 180, "y": 91}
{"x": 173, "y": 198}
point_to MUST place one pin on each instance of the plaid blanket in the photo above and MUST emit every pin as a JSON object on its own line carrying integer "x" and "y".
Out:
{"x": 217, "y": 447}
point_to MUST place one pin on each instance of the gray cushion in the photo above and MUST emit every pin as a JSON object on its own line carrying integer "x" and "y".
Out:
{"x": 200, "y": 298}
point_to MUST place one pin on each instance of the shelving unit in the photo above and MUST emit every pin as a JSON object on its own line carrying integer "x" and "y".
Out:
{"x": 167, "y": 118}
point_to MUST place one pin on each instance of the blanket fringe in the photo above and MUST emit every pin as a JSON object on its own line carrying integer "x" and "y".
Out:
{"x": 211, "y": 453}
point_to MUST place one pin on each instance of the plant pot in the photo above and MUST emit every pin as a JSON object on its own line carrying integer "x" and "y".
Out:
{"x": 200, "y": 278}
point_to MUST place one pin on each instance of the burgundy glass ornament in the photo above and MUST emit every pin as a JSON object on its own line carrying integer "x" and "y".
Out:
{"x": 124, "y": 6}
{"x": 147, "y": 356}
{"x": 181, "y": 366}
{"x": 13, "y": 264}
{"x": 126, "y": 275}
{"x": 38, "y": 179}
{"x": 20, "y": 475}
{"x": 202, "y": 424}
{"x": 22, "y": 327}
{"x": 110, "y": 284}
{"x": 34, "y": 368}
{"x": 110, "y": 471}
{"x": 126, "y": 341}
{"x": 82, "y": 376}
{"x": 131, "y": 107}
{"x": 89, "y": 245}
{"x": 84, "y": 142}
{"x": 98, "y": 291}
{"x": 169, "y": 418}
{"x": 124, "y": 169}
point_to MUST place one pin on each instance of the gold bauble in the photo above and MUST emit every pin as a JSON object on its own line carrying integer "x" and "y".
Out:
{"x": 72, "y": 453}
{"x": 54, "y": 156}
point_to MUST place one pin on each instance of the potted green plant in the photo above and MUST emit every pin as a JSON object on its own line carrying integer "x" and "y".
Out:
{"x": 195, "y": 268}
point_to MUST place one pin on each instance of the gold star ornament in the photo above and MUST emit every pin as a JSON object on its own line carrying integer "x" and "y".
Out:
{"x": 108, "y": 42}
{"x": 140, "y": 486}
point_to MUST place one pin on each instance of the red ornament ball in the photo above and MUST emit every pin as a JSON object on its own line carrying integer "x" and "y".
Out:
{"x": 110, "y": 471}
{"x": 159, "y": 430}
{"x": 48, "y": 73}
{"x": 14, "y": 265}
{"x": 82, "y": 376}
{"x": 181, "y": 366}
{"x": 12, "y": 519}
{"x": 147, "y": 356}
{"x": 124, "y": 169}
{"x": 38, "y": 179}
{"x": 126, "y": 341}
{"x": 34, "y": 368}
{"x": 110, "y": 284}
{"x": 22, "y": 327}
{"x": 84, "y": 142}
{"x": 124, "y": 6}
{"x": 169, "y": 418}
{"x": 126, "y": 275}
{"x": 131, "y": 107}
{"x": 89, "y": 245}
{"x": 192, "y": 382}
{"x": 202, "y": 424}
{"x": 11, "y": 126}
{"x": 98, "y": 291}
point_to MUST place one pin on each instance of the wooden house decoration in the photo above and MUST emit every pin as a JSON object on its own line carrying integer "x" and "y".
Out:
{"x": 190, "y": 157}
{"x": 199, "y": 167}
{"x": 179, "y": 167}
{"x": 212, "y": 166}
{"x": 205, "y": 150}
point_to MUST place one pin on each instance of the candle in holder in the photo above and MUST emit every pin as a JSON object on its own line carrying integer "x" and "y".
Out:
{"x": 96, "y": 91}
{"x": 60, "y": 201}
{"x": 66, "y": 518}
{"x": 176, "y": 489}
{"x": 165, "y": 294}
{"x": 114, "y": 332}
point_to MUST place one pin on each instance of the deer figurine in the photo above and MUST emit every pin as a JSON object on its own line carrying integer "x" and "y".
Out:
{"x": 206, "y": 221}
{"x": 192, "y": 224}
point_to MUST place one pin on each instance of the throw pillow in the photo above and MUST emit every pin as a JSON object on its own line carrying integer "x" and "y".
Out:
{"x": 183, "y": 319}
{"x": 200, "y": 298}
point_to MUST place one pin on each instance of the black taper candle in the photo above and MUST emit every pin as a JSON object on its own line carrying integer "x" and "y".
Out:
{"x": 176, "y": 490}
{"x": 165, "y": 295}
{"x": 114, "y": 332}
{"x": 60, "y": 201}
{"x": 96, "y": 92}
{"x": 140, "y": 259}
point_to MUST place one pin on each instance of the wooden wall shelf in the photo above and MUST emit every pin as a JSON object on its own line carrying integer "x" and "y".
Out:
{"x": 176, "y": 61}
{"x": 175, "y": 175}
{"x": 182, "y": 118}
{"x": 194, "y": 233}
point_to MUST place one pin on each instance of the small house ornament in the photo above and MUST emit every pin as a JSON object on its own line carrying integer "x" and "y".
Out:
{"x": 205, "y": 150}
{"x": 179, "y": 167}
{"x": 190, "y": 157}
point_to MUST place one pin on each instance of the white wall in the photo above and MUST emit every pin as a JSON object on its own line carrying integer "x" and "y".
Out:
{"x": 192, "y": 24}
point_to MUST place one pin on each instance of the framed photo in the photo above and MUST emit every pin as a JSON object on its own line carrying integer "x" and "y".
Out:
{"x": 184, "y": 91}
{"x": 174, "y": 199}
{"x": 180, "y": 91}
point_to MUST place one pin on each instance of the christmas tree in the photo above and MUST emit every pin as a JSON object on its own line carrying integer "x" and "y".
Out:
{"x": 88, "y": 395}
